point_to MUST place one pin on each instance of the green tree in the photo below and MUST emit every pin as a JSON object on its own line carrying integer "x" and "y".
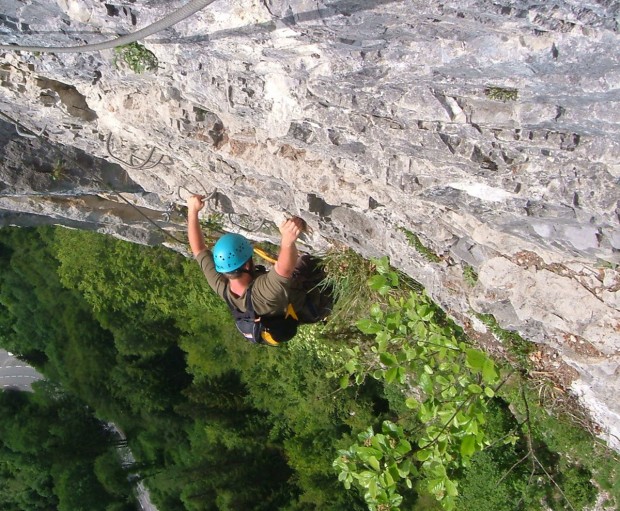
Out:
{"x": 48, "y": 445}
{"x": 111, "y": 475}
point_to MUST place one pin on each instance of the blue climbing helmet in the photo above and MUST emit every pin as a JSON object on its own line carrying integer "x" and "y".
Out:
{"x": 231, "y": 252}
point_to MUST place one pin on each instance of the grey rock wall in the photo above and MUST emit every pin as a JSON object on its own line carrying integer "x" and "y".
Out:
{"x": 489, "y": 129}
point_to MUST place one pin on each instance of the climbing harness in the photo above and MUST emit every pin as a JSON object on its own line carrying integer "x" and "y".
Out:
{"x": 274, "y": 330}
{"x": 263, "y": 330}
{"x": 267, "y": 257}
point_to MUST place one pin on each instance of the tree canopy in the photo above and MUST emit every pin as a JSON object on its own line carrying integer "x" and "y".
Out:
{"x": 134, "y": 336}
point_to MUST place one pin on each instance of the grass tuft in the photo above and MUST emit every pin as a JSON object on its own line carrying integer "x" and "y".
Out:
{"x": 347, "y": 274}
{"x": 469, "y": 275}
{"x": 137, "y": 57}
{"x": 515, "y": 344}
{"x": 422, "y": 249}
{"x": 501, "y": 93}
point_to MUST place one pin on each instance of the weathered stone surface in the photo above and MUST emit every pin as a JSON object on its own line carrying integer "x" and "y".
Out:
{"x": 491, "y": 130}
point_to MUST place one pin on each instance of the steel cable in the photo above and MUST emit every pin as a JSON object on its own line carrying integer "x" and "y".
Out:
{"x": 191, "y": 7}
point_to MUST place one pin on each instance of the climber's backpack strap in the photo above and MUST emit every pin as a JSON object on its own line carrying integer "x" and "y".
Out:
{"x": 268, "y": 330}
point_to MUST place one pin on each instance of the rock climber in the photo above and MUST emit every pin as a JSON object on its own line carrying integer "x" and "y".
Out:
{"x": 271, "y": 303}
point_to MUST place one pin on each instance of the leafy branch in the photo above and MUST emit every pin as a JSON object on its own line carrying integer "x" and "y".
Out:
{"x": 453, "y": 381}
{"x": 532, "y": 455}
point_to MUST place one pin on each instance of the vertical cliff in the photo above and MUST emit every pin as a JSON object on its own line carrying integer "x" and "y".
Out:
{"x": 453, "y": 136}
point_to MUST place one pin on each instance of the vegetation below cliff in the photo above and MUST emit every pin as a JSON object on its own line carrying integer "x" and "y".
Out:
{"x": 390, "y": 396}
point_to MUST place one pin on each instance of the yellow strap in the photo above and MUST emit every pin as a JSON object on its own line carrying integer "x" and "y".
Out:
{"x": 291, "y": 312}
{"x": 268, "y": 339}
{"x": 261, "y": 253}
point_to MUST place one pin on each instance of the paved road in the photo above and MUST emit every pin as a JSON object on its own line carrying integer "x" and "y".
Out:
{"x": 144, "y": 498}
{"x": 16, "y": 374}
{"x": 128, "y": 461}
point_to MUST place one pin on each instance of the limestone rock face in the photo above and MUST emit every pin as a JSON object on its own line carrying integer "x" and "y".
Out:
{"x": 489, "y": 130}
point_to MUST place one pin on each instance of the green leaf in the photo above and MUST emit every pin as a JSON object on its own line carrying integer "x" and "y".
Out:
{"x": 512, "y": 439}
{"x": 437, "y": 469}
{"x": 393, "y": 321}
{"x": 411, "y": 403}
{"x": 436, "y": 486}
{"x": 378, "y": 442}
{"x": 474, "y": 388}
{"x": 442, "y": 380}
{"x": 405, "y": 468}
{"x": 442, "y": 446}
{"x": 376, "y": 282}
{"x": 475, "y": 359}
{"x": 451, "y": 488}
{"x": 391, "y": 374}
{"x": 425, "y": 312}
{"x": 393, "y": 276}
{"x": 410, "y": 353}
{"x": 374, "y": 463}
{"x": 365, "y": 453}
{"x": 426, "y": 383}
{"x": 384, "y": 290}
{"x": 472, "y": 427}
{"x": 388, "y": 359}
{"x": 375, "y": 311}
{"x": 489, "y": 373}
{"x": 489, "y": 391}
{"x": 403, "y": 447}
{"x": 395, "y": 501}
{"x": 423, "y": 454}
{"x": 369, "y": 326}
{"x": 344, "y": 381}
{"x": 447, "y": 413}
{"x": 420, "y": 331}
{"x": 382, "y": 264}
{"x": 394, "y": 472}
{"x": 366, "y": 434}
{"x": 382, "y": 343}
{"x": 364, "y": 478}
{"x": 448, "y": 503}
{"x": 388, "y": 480}
{"x": 461, "y": 418}
{"x": 412, "y": 315}
{"x": 425, "y": 440}
{"x": 391, "y": 429}
{"x": 468, "y": 445}
{"x": 378, "y": 374}
{"x": 351, "y": 366}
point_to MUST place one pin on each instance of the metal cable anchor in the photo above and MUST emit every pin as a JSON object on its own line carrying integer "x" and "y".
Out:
{"x": 131, "y": 164}
{"x": 32, "y": 134}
